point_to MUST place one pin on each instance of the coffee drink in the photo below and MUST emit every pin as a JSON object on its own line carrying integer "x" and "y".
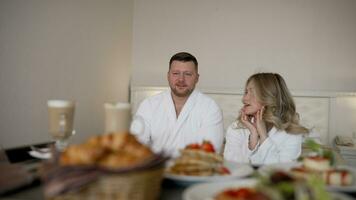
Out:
{"x": 117, "y": 117}
{"x": 61, "y": 118}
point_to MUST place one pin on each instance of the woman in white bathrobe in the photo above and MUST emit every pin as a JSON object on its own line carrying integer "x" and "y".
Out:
{"x": 267, "y": 129}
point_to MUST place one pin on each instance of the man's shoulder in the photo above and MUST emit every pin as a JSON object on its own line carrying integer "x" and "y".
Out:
{"x": 156, "y": 98}
{"x": 204, "y": 98}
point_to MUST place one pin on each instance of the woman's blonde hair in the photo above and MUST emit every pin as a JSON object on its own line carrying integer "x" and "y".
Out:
{"x": 272, "y": 92}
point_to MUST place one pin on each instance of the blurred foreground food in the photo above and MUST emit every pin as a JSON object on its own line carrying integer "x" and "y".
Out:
{"x": 113, "y": 150}
{"x": 279, "y": 186}
{"x": 198, "y": 160}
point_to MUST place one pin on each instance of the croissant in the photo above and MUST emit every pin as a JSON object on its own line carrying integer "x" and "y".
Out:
{"x": 81, "y": 155}
{"x": 112, "y": 150}
{"x": 116, "y": 141}
{"x": 116, "y": 161}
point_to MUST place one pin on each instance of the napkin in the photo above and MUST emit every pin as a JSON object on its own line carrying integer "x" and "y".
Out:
{"x": 40, "y": 155}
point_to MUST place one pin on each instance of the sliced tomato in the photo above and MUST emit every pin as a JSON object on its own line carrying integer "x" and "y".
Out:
{"x": 241, "y": 193}
{"x": 207, "y": 146}
{"x": 193, "y": 146}
{"x": 224, "y": 170}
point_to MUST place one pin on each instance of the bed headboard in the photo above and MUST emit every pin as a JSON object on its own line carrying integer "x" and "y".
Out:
{"x": 318, "y": 110}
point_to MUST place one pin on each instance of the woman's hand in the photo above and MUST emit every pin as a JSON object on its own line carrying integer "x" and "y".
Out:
{"x": 256, "y": 126}
{"x": 248, "y": 122}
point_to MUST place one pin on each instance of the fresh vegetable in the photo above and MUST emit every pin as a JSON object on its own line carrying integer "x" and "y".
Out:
{"x": 282, "y": 186}
{"x": 320, "y": 151}
{"x": 206, "y": 146}
{"x": 193, "y": 146}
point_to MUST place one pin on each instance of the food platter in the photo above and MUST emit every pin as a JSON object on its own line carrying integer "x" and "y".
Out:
{"x": 238, "y": 171}
{"x": 207, "y": 191}
{"x": 264, "y": 170}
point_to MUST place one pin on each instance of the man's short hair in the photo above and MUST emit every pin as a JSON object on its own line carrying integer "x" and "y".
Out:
{"x": 184, "y": 57}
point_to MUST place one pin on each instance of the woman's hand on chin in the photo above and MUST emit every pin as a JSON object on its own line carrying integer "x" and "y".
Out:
{"x": 248, "y": 122}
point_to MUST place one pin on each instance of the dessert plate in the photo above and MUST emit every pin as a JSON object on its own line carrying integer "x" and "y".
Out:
{"x": 264, "y": 170}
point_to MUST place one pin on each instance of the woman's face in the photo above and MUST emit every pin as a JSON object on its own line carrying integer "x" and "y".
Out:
{"x": 251, "y": 104}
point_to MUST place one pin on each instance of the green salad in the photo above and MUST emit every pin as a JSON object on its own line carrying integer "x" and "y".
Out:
{"x": 318, "y": 150}
{"x": 280, "y": 185}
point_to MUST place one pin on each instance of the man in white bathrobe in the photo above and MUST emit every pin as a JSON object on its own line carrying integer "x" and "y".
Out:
{"x": 180, "y": 116}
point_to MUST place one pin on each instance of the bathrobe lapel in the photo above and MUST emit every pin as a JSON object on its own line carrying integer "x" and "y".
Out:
{"x": 186, "y": 110}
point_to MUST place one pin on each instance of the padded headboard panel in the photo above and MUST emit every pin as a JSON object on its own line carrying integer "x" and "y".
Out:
{"x": 313, "y": 107}
{"x": 314, "y": 112}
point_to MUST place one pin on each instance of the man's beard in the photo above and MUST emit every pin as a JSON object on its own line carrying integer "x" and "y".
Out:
{"x": 186, "y": 92}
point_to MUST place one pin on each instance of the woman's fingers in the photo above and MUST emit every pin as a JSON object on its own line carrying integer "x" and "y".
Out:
{"x": 245, "y": 120}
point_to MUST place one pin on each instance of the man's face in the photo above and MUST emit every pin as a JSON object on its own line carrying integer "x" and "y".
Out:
{"x": 182, "y": 78}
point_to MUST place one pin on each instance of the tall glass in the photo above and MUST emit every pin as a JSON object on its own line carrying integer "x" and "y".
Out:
{"x": 117, "y": 117}
{"x": 61, "y": 119}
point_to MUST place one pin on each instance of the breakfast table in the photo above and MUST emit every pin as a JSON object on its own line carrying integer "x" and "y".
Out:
{"x": 170, "y": 190}
{"x": 33, "y": 190}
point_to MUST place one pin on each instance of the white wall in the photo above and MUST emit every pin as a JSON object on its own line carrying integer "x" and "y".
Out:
{"x": 67, "y": 49}
{"x": 312, "y": 43}
{"x": 82, "y": 50}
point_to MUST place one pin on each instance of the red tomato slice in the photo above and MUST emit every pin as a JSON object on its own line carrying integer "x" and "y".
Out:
{"x": 193, "y": 146}
{"x": 207, "y": 146}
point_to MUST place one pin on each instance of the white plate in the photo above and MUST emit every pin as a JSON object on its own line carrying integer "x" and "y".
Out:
{"x": 40, "y": 155}
{"x": 207, "y": 191}
{"x": 287, "y": 166}
{"x": 237, "y": 170}
{"x": 350, "y": 188}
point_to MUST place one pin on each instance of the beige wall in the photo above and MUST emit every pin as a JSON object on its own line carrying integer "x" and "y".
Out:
{"x": 81, "y": 50}
{"x": 67, "y": 49}
{"x": 312, "y": 43}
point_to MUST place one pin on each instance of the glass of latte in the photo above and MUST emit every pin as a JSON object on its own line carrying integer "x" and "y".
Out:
{"x": 61, "y": 119}
{"x": 117, "y": 117}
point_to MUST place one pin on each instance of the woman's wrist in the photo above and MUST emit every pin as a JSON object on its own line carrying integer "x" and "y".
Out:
{"x": 263, "y": 138}
{"x": 253, "y": 141}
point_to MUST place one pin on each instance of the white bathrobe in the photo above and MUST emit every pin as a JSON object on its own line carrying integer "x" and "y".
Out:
{"x": 278, "y": 147}
{"x": 200, "y": 119}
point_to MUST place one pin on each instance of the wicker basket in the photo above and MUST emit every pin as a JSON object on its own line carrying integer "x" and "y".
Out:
{"x": 135, "y": 185}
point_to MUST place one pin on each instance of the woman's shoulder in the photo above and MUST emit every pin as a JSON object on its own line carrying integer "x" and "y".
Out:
{"x": 283, "y": 134}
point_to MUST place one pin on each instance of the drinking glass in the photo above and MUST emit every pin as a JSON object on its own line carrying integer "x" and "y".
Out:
{"x": 117, "y": 117}
{"x": 61, "y": 119}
